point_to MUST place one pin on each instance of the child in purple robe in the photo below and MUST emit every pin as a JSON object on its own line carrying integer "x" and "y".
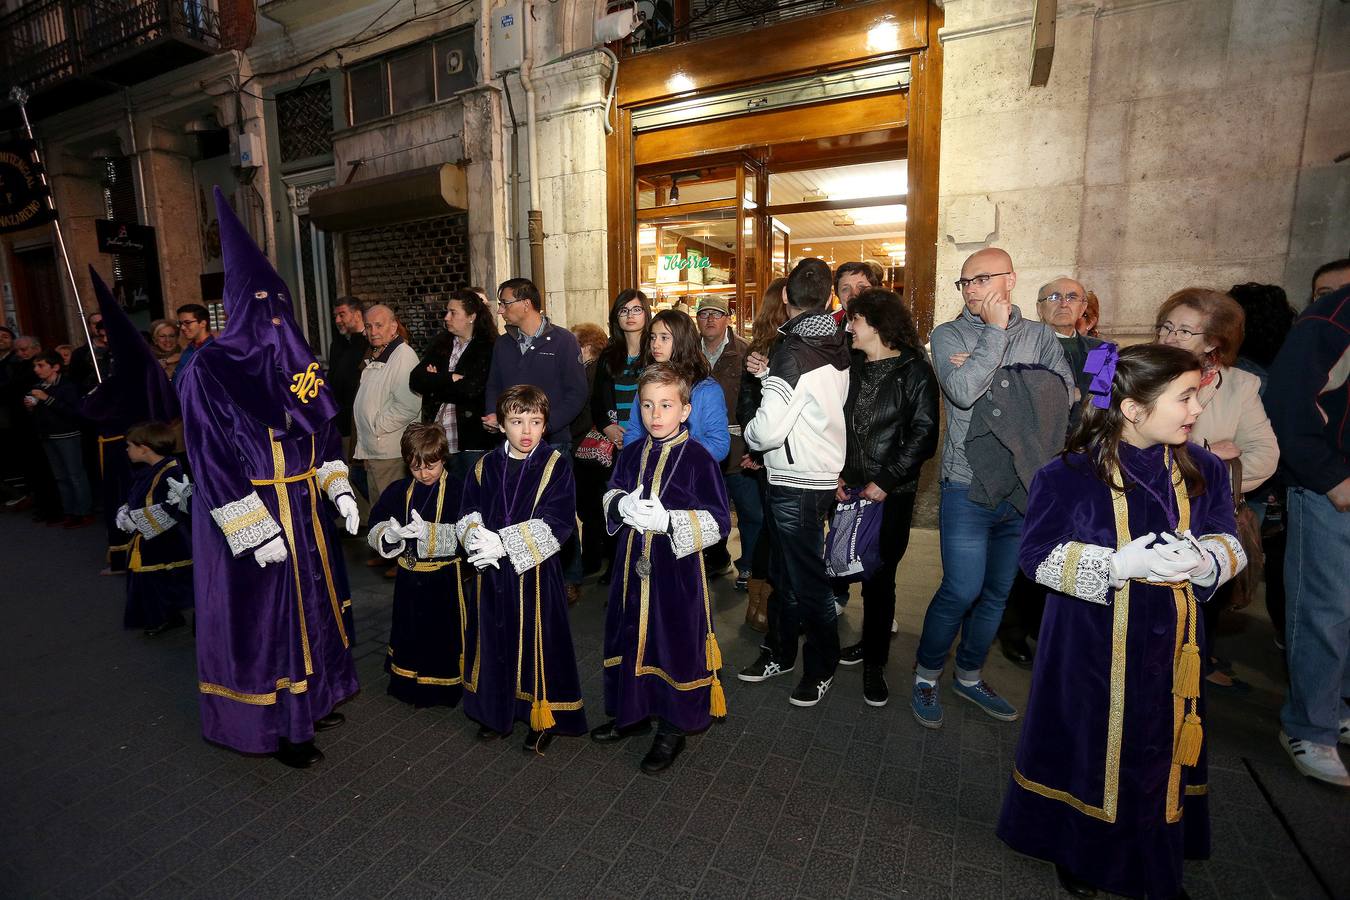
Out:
{"x": 667, "y": 502}
{"x": 519, "y": 508}
{"x": 159, "y": 568}
{"x": 414, "y": 520}
{"x": 1129, "y": 529}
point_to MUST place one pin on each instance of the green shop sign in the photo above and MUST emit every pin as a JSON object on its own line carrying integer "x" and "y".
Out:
{"x": 673, "y": 262}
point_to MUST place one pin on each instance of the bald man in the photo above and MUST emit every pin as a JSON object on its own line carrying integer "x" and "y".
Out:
{"x": 979, "y": 545}
{"x": 385, "y": 404}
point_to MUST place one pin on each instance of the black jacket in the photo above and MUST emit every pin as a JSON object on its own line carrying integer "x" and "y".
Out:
{"x": 58, "y": 415}
{"x": 902, "y": 432}
{"x": 345, "y": 357}
{"x": 467, "y": 393}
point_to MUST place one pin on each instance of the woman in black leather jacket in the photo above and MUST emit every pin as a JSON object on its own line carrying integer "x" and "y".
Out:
{"x": 452, "y": 379}
{"x": 892, "y": 416}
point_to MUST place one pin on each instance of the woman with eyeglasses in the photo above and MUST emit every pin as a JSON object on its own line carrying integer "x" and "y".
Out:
{"x": 673, "y": 339}
{"x": 1233, "y": 425}
{"x": 164, "y": 343}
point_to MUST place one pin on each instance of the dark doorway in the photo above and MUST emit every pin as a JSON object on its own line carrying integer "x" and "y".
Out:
{"x": 37, "y": 296}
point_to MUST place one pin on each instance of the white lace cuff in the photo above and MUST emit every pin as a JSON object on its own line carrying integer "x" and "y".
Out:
{"x": 333, "y": 481}
{"x": 383, "y": 542}
{"x": 246, "y": 523}
{"x": 1228, "y": 554}
{"x": 528, "y": 544}
{"x": 1078, "y": 570}
{"x": 691, "y": 530}
{"x": 612, "y": 496}
{"x": 152, "y": 521}
{"x": 466, "y": 524}
{"x": 438, "y": 542}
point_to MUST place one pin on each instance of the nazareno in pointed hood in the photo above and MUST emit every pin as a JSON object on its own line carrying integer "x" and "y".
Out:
{"x": 136, "y": 390}
{"x": 261, "y": 358}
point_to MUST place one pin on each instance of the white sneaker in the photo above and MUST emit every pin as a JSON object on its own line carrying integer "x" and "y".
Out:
{"x": 1320, "y": 761}
{"x": 1345, "y": 731}
{"x": 895, "y": 627}
{"x": 838, "y": 610}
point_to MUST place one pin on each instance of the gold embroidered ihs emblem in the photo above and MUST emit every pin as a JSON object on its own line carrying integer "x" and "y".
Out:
{"x": 306, "y": 384}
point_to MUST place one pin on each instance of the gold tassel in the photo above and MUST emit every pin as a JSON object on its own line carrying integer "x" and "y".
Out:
{"x": 712, "y": 653}
{"x": 1186, "y": 681}
{"x": 719, "y": 700}
{"x": 541, "y": 716}
{"x": 1189, "y": 741}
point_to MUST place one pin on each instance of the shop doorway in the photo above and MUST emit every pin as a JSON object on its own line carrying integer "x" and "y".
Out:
{"x": 37, "y": 296}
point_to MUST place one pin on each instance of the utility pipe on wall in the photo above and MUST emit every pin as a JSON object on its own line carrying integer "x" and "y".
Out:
{"x": 534, "y": 217}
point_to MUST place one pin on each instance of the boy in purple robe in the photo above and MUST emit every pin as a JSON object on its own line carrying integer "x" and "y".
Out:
{"x": 159, "y": 567}
{"x": 1129, "y": 529}
{"x": 519, "y": 509}
{"x": 274, "y": 629}
{"x": 414, "y": 520}
{"x": 667, "y": 502}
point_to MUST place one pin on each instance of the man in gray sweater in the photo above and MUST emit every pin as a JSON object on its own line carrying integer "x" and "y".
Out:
{"x": 979, "y": 545}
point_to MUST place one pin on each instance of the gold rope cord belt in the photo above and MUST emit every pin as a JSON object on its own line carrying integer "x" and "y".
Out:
{"x": 289, "y": 479}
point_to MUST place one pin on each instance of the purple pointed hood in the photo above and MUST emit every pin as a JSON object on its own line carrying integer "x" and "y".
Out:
{"x": 261, "y": 359}
{"x": 136, "y": 389}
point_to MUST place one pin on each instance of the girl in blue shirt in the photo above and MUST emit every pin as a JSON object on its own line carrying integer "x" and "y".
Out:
{"x": 673, "y": 339}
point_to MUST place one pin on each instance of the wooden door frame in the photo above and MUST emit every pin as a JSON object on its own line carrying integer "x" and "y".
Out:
{"x": 831, "y": 42}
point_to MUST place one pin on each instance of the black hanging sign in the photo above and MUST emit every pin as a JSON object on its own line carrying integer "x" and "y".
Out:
{"x": 23, "y": 192}
{"x": 123, "y": 237}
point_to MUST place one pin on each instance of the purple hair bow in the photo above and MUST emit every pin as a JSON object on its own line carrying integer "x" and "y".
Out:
{"x": 1101, "y": 365}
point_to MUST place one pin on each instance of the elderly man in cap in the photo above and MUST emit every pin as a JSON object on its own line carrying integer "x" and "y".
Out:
{"x": 726, "y": 353}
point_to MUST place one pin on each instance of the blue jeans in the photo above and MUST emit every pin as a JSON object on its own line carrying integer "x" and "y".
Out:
{"x": 66, "y": 457}
{"x": 744, "y": 494}
{"x": 1317, "y": 618}
{"x": 571, "y": 548}
{"x": 802, "y": 589}
{"x": 979, "y": 561}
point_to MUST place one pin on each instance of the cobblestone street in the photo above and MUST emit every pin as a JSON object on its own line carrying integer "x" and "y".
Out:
{"x": 110, "y": 791}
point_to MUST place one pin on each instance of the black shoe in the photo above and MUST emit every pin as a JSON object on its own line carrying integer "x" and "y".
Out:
{"x": 664, "y": 750}
{"x": 332, "y": 720}
{"x": 1074, "y": 885}
{"x": 604, "y": 577}
{"x": 1018, "y": 652}
{"x": 762, "y": 669}
{"x": 176, "y": 622}
{"x": 875, "y": 691}
{"x": 610, "y": 733}
{"x": 742, "y": 582}
{"x": 538, "y": 741}
{"x": 487, "y": 734}
{"x": 809, "y": 692}
{"x": 851, "y": 655}
{"x": 297, "y": 756}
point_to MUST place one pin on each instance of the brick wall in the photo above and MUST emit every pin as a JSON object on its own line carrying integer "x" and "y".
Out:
{"x": 408, "y": 267}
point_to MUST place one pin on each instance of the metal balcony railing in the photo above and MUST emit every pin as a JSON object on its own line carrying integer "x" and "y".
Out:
{"x": 683, "y": 21}
{"x": 47, "y": 42}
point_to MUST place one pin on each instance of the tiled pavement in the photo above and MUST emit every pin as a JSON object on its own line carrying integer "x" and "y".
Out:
{"x": 108, "y": 789}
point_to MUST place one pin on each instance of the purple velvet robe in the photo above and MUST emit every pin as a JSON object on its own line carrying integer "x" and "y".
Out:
{"x": 518, "y": 614}
{"x": 659, "y": 635}
{"x": 159, "y": 575}
{"x": 273, "y": 643}
{"x": 425, "y": 659}
{"x": 1097, "y": 786}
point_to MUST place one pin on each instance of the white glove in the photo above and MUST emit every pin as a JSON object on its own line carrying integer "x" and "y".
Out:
{"x": 1201, "y": 568}
{"x": 1173, "y": 558}
{"x": 274, "y": 551}
{"x": 628, "y": 506}
{"x": 390, "y": 548}
{"x": 655, "y": 516}
{"x": 124, "y": 519}
{"x": 415, "y": 530}
{"x": 1134, "y": 560}
{"x": 346, "y": 507}
{"x": 485, "y": 548}
{"x": 180, "y": 492}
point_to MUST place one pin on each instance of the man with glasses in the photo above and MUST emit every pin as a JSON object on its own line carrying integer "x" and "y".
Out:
{"x": 726, "y": 352}
{"x": 978, "y": 544}
{"x": 81, "y": 368}
{"x": 194, "y": 325}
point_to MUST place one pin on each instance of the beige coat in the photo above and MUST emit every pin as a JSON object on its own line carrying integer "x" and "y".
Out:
{"x": 1233, "y": 412}
{"x": 385, "y": 405}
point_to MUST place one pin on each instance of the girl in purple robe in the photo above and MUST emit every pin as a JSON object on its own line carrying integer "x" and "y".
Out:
{"x": 519, "y": 508}
{"x": 1129, "y": 529}
{"x": 667, "y": 502}
{"x": 159, "y": 570}
{"x": 414, "y": 520}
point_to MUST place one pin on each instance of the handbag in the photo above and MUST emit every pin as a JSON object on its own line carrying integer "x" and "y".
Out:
{"x": 1245, "y": 583}
{"x": 853, "y": 547}
{"x": 596, "y": 448}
